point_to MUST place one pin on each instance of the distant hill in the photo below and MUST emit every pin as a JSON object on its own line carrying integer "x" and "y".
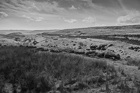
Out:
{"x": 13, "y": 31}
{"x": 90, "y": 31}
{"x": 42, "y": 31}
{"x": 105, "y": 30}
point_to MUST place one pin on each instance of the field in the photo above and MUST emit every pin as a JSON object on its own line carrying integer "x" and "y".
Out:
{"x": 84, "y": 60}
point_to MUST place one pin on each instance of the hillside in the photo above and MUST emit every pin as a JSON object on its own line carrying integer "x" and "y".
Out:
{"x": 65, "y": 62}
{"x": 106, "y": 30}
{"x": 27, "y": 70}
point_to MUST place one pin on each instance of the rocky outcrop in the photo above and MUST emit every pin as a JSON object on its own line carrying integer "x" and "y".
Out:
{"x": 135, "y": 48}
{"x": 100, "y": 47}
{"x": 112, "y": 55}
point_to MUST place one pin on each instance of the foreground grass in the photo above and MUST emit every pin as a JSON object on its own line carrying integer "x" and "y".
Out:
{"x": 24, "y": 70}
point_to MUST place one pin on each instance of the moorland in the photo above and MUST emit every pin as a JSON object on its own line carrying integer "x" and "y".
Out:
{"x": 81, "y": 60}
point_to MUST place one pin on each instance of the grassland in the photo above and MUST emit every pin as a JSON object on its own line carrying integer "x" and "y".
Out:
{"x": 24, "y": 70}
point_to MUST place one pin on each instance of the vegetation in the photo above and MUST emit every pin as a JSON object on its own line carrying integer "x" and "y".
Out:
{"x": 24, "y": 70}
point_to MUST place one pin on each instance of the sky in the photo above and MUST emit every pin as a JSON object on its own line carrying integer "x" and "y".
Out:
{"x": 64, "y": 14}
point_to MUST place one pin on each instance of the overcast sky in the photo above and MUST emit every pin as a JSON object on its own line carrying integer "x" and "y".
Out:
{"x": 61, "y": 14}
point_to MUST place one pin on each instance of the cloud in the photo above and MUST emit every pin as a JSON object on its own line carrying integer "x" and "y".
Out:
{"x": 100, "y": 25}
{"x": 30, "y": 6}
{"x": 70, "y": 20}
{"x": 3, "y": 14}
{"x": 72, "y": 8}
{"x": 33, "y": 18}
{"x": 46, "y": 7}
{"x": 99, "y": 6}
{"x": 52, "y": 7}
{"x": 122, "y": 5}
{"x": 93, "y": 5}
{"x": 133, "y": 17}
{"x": 89, "y": 19}
{"x": 14, "y": 5}
{"x": 34, "y": 6}
{"x": 40, "y": 19}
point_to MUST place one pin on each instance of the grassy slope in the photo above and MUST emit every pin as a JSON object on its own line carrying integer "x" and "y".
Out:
{"x": 38, "y": 72}
{"x": 19, "y": 65}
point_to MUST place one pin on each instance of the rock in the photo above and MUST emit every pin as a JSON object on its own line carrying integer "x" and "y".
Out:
{"x": 90, "y": 53}
{"x": 135, "y": 48}
{"x": 112, "y": 55}
{"x": 79, "y": 52}
{"x": 93, "y": 47}
{"x": 100, "y": 54}
{"x": 102, "y": 47}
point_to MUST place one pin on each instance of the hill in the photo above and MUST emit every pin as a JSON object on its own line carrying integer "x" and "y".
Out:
{"x": 106, "y": 30}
